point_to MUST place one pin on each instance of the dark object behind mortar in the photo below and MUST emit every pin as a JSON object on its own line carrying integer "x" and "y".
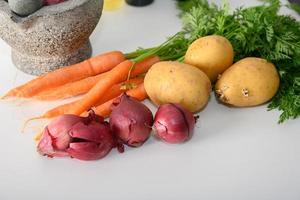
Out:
{"x": 295, "y": 1}
{"x": 52, "y": 37}
{"x": 139, "y": 2}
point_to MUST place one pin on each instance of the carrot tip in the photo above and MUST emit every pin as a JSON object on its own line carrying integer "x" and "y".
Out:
{"x": 5, "y": 96}
{"x": 10, "y": 93}
{"x": 38, "y": 137}
{"x": 9, "y": 98}
{"x": 29, "y": 120}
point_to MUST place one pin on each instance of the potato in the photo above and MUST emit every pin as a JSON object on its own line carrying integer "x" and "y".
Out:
{"x": 212, "y": 54}
{"x": 175, "y": 82}
{"x": 249, "y": 82}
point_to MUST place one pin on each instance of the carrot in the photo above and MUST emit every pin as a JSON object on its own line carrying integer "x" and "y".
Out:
{"x": 139, "y": 93}
{"x": 70, "y": 89}
{"x": 84, "y": 85}
{"x": 116, "y": 75}
{"x": 59, "y": 110}
{"x": 113, "y": 92}
{"x": 118, "y": 89}
{"x": 140, "y": 67}
{"x": 87, "y": 68}
{"x": 144, "y": 65}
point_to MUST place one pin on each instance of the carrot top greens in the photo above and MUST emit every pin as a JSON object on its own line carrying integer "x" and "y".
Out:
{"x": 253, "y": 31}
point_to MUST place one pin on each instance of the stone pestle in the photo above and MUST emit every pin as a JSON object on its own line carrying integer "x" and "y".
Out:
{"x": 25, "y": 7}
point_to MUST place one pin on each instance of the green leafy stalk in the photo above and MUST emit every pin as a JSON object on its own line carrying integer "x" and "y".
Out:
{"x": 254, "y": 31}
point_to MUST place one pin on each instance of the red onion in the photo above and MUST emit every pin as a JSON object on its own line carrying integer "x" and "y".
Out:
{"x": 84, "y": 138}
{"x": 51, "y": 2}
{"x": 131, "y": 121}
{"x": 173, "y": 123}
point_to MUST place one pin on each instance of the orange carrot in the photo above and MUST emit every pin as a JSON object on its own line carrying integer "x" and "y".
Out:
{"x": 118, "y": 89}
{"x": 139, "y": 93}
{"x": 59, "y": 110}
{"x": 116, "y": 75}
{"x": 113, "y": 92}
{"x": 87, "y": 68}
{"x": 84, "y": 85}
{"x": 140, "y": 67}
{"x": 70, "y": 89}
{"x": 144, "y": 66}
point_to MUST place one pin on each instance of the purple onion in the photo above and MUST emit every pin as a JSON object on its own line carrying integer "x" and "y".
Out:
{"x": 52, "y": 2}
{"x": 84, "y": 138}
{"x": 131, "y": 121}
{"x": 173, "y": 124}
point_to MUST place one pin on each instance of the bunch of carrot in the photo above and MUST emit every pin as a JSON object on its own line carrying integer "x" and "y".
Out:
{"x": 101, "y": 79}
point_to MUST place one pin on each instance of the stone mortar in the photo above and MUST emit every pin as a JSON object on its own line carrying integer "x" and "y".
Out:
{"x": 52, "y": 37}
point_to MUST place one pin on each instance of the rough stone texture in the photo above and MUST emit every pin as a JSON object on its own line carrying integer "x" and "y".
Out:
{"x": 49, "y": 63}
{"x": 52, "y": 37}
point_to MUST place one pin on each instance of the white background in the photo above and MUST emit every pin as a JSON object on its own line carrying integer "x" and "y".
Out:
{"x": 235, "y": 153}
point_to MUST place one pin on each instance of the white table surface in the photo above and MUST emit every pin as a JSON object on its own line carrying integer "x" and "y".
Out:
{"x": 235, "y": 153}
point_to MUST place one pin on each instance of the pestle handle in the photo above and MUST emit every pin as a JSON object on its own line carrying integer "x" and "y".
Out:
{"x": 25, "y": 7}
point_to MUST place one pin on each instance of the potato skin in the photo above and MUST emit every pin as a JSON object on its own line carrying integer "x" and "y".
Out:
{"x": 212, "y": 54}
{"x": 249, "y": 82}
{"x": 174, "y": 82}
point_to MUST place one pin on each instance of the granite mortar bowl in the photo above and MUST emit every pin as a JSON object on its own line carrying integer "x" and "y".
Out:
{"x": 52, "y": 37}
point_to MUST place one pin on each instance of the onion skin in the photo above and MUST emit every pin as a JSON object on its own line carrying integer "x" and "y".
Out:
{"x": 55, "y": 138}
{"x": 131, "y": 121}
{"x": 97, "y": 141}
{"x": 173, "y": 124}
{"x": 83, "y": 138}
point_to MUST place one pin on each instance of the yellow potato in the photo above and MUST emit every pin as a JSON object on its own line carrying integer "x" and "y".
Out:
{"x": 212, "y": 54}
{"x": 249, "y": 82}
{"x": 175, "y": 82}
